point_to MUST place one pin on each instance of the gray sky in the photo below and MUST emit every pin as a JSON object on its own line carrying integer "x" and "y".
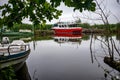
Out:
{"x": 111, "y": 5}
{"x": 69, "y": 15}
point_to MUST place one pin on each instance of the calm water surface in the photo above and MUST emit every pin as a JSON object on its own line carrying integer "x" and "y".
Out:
{"x": 70, "y": 59}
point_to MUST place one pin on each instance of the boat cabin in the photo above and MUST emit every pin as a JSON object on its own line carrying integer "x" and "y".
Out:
{"x": 60, "y": 25}
{"x": 65, "y": 25}
{"x": 66, "y": 28}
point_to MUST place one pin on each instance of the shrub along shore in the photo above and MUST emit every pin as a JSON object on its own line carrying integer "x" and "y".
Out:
{"x": 51, "y": 32}
{"x": 46, "y": 29}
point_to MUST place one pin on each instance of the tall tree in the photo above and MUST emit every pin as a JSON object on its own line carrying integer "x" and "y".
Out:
{"x": 38, "y": 11}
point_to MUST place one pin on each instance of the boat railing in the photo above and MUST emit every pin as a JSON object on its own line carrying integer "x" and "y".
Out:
{"x": 17, "y": 48}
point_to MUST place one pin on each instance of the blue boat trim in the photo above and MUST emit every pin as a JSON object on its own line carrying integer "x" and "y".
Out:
{"x": 15, "y": 56}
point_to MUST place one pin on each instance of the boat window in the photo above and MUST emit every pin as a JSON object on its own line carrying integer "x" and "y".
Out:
{"x": 56, "y": 39}
{"x": 62, "y": 25}
{"x": 73, "y": 25}
{"x": 70, "y": 25}
{"x": 55, "y": 25}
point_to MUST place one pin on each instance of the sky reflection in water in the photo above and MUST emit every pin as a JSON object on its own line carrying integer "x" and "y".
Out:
{"x": 52, "y": 60}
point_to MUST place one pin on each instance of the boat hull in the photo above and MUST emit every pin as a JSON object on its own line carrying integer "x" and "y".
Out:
{"x": 13, "y": 59}
{"x": 68, "y": 31}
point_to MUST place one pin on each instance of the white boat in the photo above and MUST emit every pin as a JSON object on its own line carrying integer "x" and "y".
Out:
{"x": 13, "y": 53}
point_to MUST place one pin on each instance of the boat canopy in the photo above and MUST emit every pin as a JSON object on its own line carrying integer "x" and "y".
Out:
{"x": 5, "y": 40}
{"x": 18, "y": 42}
{"x": 55, "y": 25}
{"x": 73, "y": 25}
{"x": 65, "y": 24}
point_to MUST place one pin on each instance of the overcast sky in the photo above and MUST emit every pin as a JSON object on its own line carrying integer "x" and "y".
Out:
{"x": 111, "y": 5}
{"x": 69, "y": 15}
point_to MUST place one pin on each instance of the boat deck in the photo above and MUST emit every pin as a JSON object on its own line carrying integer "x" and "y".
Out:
{"x": 12, "y": 49}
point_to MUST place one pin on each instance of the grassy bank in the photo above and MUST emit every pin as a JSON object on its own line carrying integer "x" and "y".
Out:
{"x": 85, "y": 30}
{"x": 16, "y": 34}
{"x": 43, "y": 32}
{"x": 46, "y": 29}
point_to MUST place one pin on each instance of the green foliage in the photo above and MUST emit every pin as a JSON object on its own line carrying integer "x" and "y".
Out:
{"x": 76, "y": 4}
{"x": 47, "y": 27}
{"x": 118, "y": 26}
{"x": 85, "y": 25}
{"x": 7, "y": 74}
{"x": 112, "y": 26}
{"x": 17, "y": 27}
{"x": 38, "y": 11}
{"x": 85, "y": 37}
{"x": 99, "y": 26}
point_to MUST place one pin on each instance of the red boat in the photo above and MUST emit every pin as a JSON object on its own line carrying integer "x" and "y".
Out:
{"x": 66, "y": 28}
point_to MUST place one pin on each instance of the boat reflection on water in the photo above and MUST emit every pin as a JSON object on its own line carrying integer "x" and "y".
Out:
{"x": 63, "y": 38}
{"x": 22, "y": 73}
{"x": 17, "y": 69}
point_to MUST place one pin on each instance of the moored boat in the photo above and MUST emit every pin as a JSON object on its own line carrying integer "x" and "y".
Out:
{"x": 66, "y": 28}
{"x": 14, "y": 53}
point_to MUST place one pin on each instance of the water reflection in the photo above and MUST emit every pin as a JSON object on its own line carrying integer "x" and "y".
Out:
{"x": 49, "y": 61}
{"x": 68, "y": 38}
{"x": 110, "y": 55}
{"x": 118, "y": 36}
{"x": 22, "y": 73}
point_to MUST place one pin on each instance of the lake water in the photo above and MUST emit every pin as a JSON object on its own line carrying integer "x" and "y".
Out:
{"x": 70, "y": 58}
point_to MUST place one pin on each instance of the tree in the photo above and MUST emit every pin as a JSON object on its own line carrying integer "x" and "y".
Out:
{"x": 77, "y": 20}
{"x": 118, "y": 1}
{"x": 38, "y": 11}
